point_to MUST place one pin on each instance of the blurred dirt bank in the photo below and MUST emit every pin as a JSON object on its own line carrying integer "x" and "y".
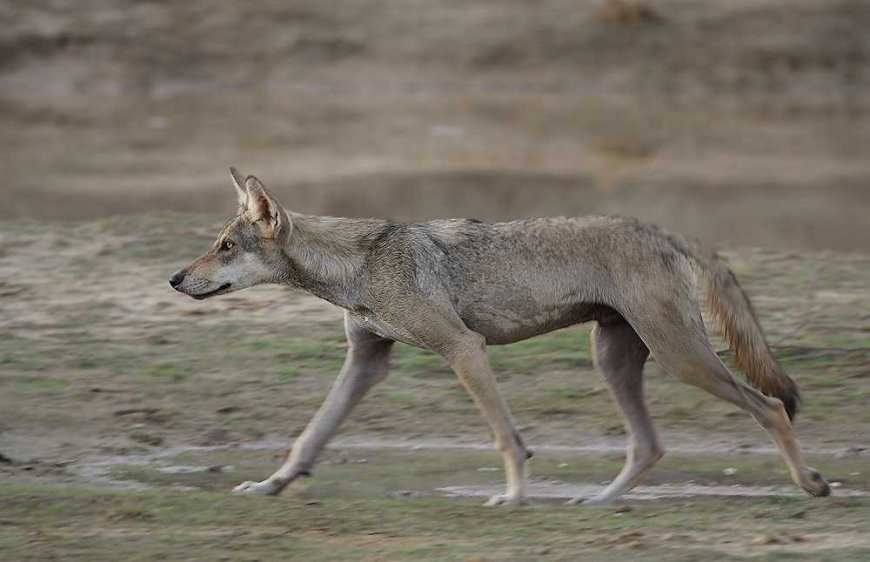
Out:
{"x": 744, "y": 122}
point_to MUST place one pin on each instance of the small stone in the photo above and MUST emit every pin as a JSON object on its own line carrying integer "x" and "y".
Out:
{"x": 730, "y": 471}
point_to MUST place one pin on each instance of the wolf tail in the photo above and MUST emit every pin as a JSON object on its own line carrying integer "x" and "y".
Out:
{"x": 733, "y": 311}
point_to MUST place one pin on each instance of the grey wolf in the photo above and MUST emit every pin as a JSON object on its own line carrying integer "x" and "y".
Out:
{"x": 457, "y": 286}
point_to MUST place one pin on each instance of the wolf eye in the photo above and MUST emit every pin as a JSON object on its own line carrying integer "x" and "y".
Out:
{"x": 227, "y": 245}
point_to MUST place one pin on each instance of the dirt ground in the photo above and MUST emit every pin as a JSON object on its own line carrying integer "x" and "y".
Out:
{"x": 118, "y": 397}
{"x": 127, "y": 412}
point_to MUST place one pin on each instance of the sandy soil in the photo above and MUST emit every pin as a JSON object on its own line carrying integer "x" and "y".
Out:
{"x": 743, "y": 123}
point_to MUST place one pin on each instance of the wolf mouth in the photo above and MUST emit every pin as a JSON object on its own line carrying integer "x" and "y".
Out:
{"x": 220, "y": 290}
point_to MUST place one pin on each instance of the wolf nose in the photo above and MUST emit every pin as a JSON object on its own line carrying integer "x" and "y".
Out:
{"x": 176, "y": 279}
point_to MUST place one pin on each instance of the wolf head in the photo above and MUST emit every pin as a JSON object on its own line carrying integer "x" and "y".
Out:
{"x": 247, "y": 252}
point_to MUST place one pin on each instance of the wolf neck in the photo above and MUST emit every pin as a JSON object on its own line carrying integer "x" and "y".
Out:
{"x": 328, "y": 254}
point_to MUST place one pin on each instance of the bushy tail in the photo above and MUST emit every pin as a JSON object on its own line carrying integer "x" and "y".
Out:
{"x": 731, "y": 308}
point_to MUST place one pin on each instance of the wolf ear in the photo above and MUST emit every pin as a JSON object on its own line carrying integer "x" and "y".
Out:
{"x": 239, "y": 183}
{"x": 265, "y": 209}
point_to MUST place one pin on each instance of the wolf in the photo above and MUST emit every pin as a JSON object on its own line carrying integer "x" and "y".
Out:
{"x": 457, "y": 286}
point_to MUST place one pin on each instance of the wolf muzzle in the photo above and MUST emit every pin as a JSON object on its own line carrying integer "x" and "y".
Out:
{"x": 177, "y": 279}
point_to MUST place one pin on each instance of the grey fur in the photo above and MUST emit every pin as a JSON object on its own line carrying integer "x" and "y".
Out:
{"x": 456, "y": 286}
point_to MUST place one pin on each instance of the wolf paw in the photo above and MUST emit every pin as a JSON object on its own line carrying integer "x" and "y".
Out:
{"x": 503, "y": 499}
{"x": 264, "y": 488}
{"x": 594, "y": 500}
{"x": 814, "y": 484}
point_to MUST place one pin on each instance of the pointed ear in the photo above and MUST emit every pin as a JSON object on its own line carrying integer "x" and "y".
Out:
{"x": 239, "y": 183}
{"x": 265, "y": 209}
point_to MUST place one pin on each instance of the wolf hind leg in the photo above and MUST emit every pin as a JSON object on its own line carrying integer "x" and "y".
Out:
{"x": 619, "y": 355}
{"x": 682, "y": 348}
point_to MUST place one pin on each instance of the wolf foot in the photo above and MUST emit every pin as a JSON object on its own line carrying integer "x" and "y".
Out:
{"x": 814, "y": 484}
{"x": 503, "y": 499}
{"x": 594, "y": 500}
{"x": 264, "y": 488}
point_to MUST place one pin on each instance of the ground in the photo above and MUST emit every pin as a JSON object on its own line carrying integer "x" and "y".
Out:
{"x": 127, "y": 419}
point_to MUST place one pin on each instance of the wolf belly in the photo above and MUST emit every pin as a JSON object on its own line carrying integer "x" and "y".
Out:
{"x": 504, "y": 326}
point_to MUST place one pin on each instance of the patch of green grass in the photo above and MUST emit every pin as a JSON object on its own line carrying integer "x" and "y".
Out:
{"x": 415, "y": 361}
{"x": 265, "y": 345}
{"x": 169, "y": 370}
{"x": 400, "y": 398}
{"x": 288, "y": 374}
{"x": 147, "y": 437}
{"x": 128, "y": 510}
{"x": 577, "y": 393}
{"x": 42, "y": 382}
{"x": 320, "y": 352}
{"x": 564, "y": 349}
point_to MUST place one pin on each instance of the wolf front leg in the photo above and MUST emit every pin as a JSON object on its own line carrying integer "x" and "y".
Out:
{"x": 468, "y": 358}
{"x": 366, "y": 364}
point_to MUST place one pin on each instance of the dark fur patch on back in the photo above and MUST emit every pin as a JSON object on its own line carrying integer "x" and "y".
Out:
{"x": 380, "y": 236}
{"x": 439, "y": 243}
{"x": 669, "y": 259}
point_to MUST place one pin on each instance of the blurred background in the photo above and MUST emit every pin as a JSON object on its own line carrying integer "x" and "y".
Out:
{"x": 742, "y": 122}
